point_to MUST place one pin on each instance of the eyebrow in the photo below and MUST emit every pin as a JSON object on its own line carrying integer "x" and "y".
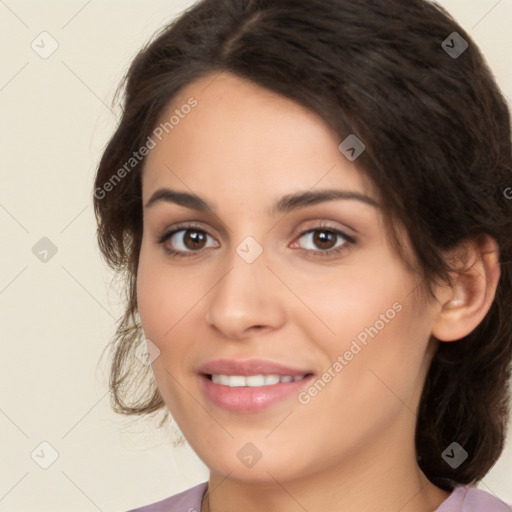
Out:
{"x": 286, "y": 204}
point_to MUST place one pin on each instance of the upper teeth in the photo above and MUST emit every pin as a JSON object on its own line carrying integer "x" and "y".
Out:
{"x": 252, "y": 380}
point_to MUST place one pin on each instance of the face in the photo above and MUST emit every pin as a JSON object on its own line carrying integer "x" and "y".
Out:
{"x": 283, "y": 259}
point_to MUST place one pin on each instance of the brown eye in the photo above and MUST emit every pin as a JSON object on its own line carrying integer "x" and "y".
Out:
{"x": 194, "y": 240}
{"x": 186, "y": 240}
{"x": 324, "y": 239}
{"x": 324, "y": 242}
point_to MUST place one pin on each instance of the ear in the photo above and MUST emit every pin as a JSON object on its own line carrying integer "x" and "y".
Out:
{"x": 464, "y": 303}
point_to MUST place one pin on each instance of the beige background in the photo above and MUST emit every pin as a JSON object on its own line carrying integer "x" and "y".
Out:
{"x": 57, "y": 316}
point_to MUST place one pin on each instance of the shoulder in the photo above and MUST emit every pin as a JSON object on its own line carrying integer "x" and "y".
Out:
{"x": 186, "y": 501}
{"x": 465, "y": 498}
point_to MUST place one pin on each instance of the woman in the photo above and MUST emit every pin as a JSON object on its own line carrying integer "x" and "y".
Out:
{"x": 308, "y": 202}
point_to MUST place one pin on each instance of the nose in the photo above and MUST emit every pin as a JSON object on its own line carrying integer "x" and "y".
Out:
{"x": 248, "y": 299}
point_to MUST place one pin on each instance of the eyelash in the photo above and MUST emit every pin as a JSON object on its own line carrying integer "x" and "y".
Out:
{"x": 349, "y": 241}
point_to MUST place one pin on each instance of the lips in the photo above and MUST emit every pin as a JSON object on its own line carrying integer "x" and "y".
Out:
{"x": 250, "y": 399}
{"x": 253, "y": 399}
{"x": 250, "y": 367}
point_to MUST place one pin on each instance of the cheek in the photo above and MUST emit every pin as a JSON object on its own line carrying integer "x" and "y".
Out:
{"x": 368, "y": 316}
{"x": 150, "y": 298}
{"x": 170, "y": 303}
{"x": 382, "y": 364}
{"x": 164, "y": 294}
{"x": 343, "y": 302}
{"x": 163, "y": 302}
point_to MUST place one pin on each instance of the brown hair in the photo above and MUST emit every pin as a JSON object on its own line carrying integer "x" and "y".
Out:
{"x": 438, "y": 148}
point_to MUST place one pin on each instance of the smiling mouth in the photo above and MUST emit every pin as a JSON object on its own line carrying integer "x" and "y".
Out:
{"x": 259, "y": 380}
{"x": 252, "y": 393}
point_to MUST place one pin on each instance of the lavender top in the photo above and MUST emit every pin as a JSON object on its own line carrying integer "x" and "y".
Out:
{"x": 462, "y": 499}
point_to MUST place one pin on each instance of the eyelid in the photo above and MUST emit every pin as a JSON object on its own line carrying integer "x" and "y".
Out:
{"x": 166, "y": 233}
{"x": 314, "y": 224}
{"x": 317, "y": 225}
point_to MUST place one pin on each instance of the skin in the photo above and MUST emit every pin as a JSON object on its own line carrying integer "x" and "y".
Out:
{"x": 351, "y": 447}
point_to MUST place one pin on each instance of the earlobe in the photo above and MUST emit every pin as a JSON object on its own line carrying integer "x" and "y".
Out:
{"x": 464, "y": 304}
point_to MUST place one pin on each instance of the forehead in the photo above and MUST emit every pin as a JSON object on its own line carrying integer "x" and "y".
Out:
{"x": 243, "y": 138}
